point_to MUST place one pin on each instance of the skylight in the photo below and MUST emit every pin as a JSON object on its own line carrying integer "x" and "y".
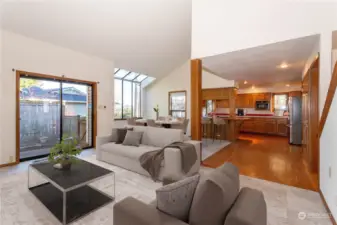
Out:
{"x": 130, "y": 76}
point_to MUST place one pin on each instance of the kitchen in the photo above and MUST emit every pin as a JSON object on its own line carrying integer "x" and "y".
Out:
{"x": 268, "y": 118}
{"x": 260, "y": 113}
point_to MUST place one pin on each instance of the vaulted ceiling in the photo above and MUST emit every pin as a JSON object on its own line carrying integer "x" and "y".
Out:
{"x": 151, "y": 36}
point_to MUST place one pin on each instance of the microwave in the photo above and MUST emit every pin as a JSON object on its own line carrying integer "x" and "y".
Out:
{"x": 262, "y": 105}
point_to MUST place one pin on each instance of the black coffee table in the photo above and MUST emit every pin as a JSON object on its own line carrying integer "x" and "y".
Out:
{"x": 68, "y": 195}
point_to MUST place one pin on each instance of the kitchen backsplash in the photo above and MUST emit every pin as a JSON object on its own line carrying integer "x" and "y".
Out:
{"x": 247, "y": 111}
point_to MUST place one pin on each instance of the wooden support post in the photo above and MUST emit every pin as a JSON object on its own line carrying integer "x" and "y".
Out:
{"x": 196, "y": 100}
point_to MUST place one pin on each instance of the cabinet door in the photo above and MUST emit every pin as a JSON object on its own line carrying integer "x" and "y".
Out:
{"x": 250, "y": 101}
{"x": 259, "y": 127}
{"x": 282, "y": 128}
{"x": 239, "y": 102}
{"x": 270, "y": 127}
{"x": 267, "y": 96}
{"x": 247, "y": 126}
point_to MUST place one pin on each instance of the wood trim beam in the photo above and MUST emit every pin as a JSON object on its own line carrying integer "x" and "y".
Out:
{"x": 328, "y": 100}
{"x": 196, "y": 100}
{"x": 59, "y": 78}
{"x": 332, "y": 219}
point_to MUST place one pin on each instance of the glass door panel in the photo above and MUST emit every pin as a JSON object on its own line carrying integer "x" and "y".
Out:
{"x": 39, "y": 116}
{"x": 77, "y": 112}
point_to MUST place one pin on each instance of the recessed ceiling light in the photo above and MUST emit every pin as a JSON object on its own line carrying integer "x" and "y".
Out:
{"x": 253, "y": 87}
{"x": 283, "y": 66}
{"x": 288, "y": 85}
{"x": 245, "y": 82}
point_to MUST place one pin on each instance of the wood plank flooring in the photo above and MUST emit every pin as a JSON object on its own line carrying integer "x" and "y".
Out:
{"x": 266, "y": 157}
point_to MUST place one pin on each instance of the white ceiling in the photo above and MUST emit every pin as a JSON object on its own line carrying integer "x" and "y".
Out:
{"x": 259, "y": 65}
{"x": 148, "y": 36}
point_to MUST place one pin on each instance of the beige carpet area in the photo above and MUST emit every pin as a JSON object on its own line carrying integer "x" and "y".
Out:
{"x": 19, "y": 206}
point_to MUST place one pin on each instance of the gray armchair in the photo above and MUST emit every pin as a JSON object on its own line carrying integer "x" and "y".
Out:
{"x": 219, "y": 189}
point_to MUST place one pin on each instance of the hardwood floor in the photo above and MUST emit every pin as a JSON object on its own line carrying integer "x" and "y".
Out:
{"x": 266, "y": 157}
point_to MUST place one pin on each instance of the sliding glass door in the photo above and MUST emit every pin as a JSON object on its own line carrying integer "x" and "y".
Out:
{"x": 77, "y": 113}
{"x": 51, "y": 109}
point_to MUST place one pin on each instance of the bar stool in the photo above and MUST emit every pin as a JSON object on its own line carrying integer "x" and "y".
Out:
{"x": 218, "y": 127}
{"x": 206, "y": 128}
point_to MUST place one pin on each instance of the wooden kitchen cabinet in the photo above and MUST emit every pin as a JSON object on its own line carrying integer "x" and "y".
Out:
{"x": 282, "y": 127}
{"x": 222, "y": 104}
{"x": 216, "y": 93}
{"x": 273, "y": 126}
{"x": 248, "y": 100}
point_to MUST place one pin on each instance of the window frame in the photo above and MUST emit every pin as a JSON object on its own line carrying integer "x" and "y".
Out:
{"x": 133, "y": 82}
{"x": 273, "y": 99}
{"x": 169, "y": 103}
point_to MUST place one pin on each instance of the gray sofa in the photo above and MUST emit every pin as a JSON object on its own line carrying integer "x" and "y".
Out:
{"x": 217, "y": 200}
{"x": 153, "y": 138}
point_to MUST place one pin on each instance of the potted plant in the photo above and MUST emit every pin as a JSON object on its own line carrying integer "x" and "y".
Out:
{"x": 63, "y": 154}
{"x": 156, "y": 109}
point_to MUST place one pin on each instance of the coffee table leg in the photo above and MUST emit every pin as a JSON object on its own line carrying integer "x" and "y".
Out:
{"x": 64, "y": 208}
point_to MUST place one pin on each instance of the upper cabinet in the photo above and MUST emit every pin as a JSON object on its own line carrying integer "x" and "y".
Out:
{"x": 216, "y": 93}
{"x": 248, "y": 100}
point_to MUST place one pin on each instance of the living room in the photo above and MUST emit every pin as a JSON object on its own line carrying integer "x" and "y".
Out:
{"x": 71, "y": 43}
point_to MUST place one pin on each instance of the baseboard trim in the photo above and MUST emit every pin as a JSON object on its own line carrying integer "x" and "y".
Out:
{"x": 327, "y": 208}
{"x": 9, "y": 164}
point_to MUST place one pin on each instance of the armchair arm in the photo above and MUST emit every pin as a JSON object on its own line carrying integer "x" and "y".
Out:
{"x": 172, "y": 162}
{"x": 131, "y": 211}
{"x": 100, "y": 140}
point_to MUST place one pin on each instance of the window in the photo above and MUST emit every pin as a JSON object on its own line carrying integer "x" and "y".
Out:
{"x": 207, "y": 108}
{"x": 280, "y": 101}
{"x": 127, "y": 93}
{"x": 177, "y": 104}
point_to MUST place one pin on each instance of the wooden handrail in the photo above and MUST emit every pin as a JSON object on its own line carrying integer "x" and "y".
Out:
{"x": 328, "y": 100}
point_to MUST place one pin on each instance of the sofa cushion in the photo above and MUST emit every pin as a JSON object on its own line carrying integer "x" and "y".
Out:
{"x": 175, "y": 199}
{"x": 213, "y": 198}
{"x": 121, "y": 133}
{"x": 141, "y": 129}
{"x": 249, "y": 209}
{"x": 161, "y": 137}
{"x": 114, "y": 135}
{"x": 132, "y": 138}
{"x": 127, "y": 151}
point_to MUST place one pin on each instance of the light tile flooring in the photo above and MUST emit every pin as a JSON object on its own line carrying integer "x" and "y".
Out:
{"x": 210, "y": 147}
{"x": 18, "y": 206}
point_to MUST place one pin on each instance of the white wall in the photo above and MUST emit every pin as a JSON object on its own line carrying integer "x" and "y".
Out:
{"x": 157, "y": 92}
{"x": 221, "y": 26}
{"x": 210, "y": 80}
{"x": 312, "y": 58}
{"x": 22, "y": 53}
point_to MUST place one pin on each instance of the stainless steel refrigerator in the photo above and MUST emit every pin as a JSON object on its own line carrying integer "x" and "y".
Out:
{"x": 295, "y": 120}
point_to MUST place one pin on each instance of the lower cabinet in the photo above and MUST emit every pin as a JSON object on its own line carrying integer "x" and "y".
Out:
{"x": 274, "y": 126}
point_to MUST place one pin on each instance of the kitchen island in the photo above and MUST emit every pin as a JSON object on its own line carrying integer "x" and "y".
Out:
{"x": 229, "y": 131}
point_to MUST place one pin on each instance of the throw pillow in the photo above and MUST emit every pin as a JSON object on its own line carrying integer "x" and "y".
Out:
{"x": 213, "y": 199}
{"x": 114, "y": 134}
{"x": 133, "y": 138}
{"x": 121, "y": 133}
{"x": 175, "y": 199}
